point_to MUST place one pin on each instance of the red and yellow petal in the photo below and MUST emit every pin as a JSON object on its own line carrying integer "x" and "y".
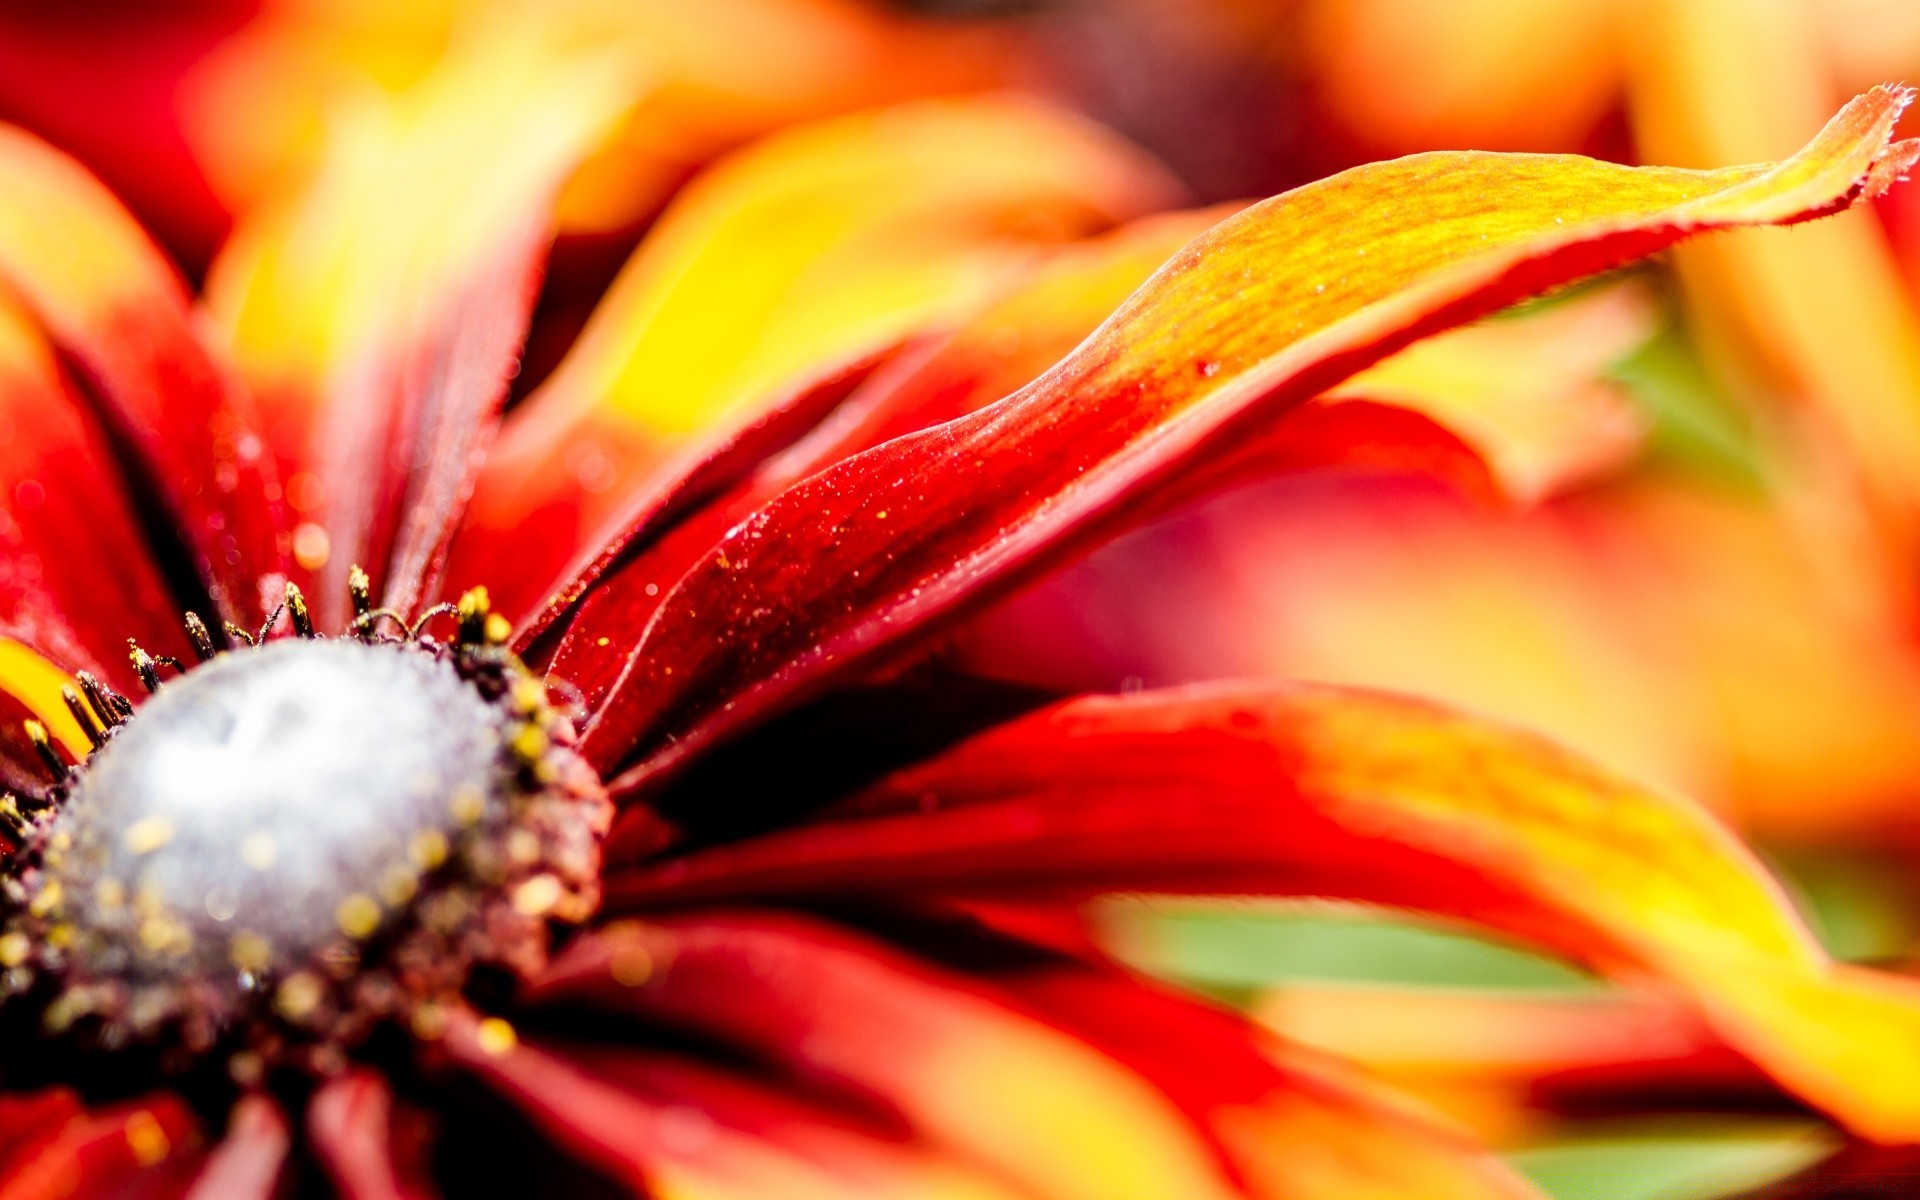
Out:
{"x": 1267, "y": 310}
{"x": 1252, "y": 788}
{"x": 1295, "y": 1125}
{"x": 676, "y": 1128}
{"x": 112, "y": 305}
{"x": 986, "y": 1082}
{"x": 784, "y": 266}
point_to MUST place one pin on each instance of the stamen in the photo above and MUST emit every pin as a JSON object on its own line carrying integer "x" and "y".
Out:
{"x": 240, "y": 635}
{"x": 12, "y": 820}
{"x": 297, "y": 605}
{"x": 198, "y": 635}
{"x": 84, "y": 716}
{"x": 474, "y": 608}
{"x": 420, "y": 622}
{"x": 360, "y": 590}
{"x": 144, "y": 667}
{"x": 55, "y": 762}
{"x": 266, "y": 627}
{"x": 109, "y": 704}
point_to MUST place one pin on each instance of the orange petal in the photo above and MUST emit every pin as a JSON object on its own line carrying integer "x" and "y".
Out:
{"x": 1251, "y": 788}
{"x": 781, "y": 266}
{"x": 1402, "y": 75}
{"x": 1261, "y": 313}
{"x": 986, "y": 1081}
{"x": 1529, "y": 392}
{"x": 675, "y": 1128}
{"x": 1822, "y": 315}
{"x": 378, "y": 316}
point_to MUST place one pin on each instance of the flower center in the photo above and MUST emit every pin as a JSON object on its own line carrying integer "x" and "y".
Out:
{"x": 295, "y": 841}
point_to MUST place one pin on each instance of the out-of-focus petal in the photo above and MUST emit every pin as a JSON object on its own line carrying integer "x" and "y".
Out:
{"x": 247, "y": 1163}
{"x": 784, "y": 265}
{"x": 1820, "y": 316}
{"x": 1297, "y": 1126}
{"x": 349, "y": 1127}
{"x": 989, "y": 1083}
{"x": 1263, "y": 312}
{"x": 711, "y": 77}
{"x": 1260, "y": 788}
{"x": 1733, "y": 644}
{"x": 379, "y": 316}
{"x": 142, "y": 1150}
{"x": 76, "y": 576}
{"x": 674, "y": 1127}
{"x": 1530, "y": 392}
{"x": 115, "y": 308}
{"x": 104, "y": 82}
{"x": 1401, "y": 75}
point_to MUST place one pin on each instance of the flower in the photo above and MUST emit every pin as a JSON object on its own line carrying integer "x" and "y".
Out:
{"x": 820, "y": 416}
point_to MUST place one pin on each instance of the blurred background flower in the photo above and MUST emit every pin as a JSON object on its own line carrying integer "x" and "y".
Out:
{"x": 1701, "y": 565}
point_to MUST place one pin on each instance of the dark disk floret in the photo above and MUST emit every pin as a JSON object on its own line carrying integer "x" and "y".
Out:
{"x": 299, "y": 839}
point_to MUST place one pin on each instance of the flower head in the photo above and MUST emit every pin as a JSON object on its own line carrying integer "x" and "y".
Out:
{"x": 345, "y": 859}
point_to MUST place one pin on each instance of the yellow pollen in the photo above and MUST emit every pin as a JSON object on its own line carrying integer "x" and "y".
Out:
{"x": 149, "y": 1142}
{"x": 250, "y": 952}
{"x": 468, "y": 805}
{"x": 14, "y": 948}
{"x": 496, "y": 1037}
{"x": 110, "y": 893}
{"x": 523, "y": 846}
{"x": 429, "y": 1022}
{"x": 298, "y": 996}
{"x": 529, "y": 695}
{"x": 398, "y": 885}
{"x": 258, "y": 851}
{"x": 428, "y": 849}
{"x": 60, "y": 936}
{"x": 499, "y": 629}
{"x": 147, "y": 835}
{"x": 537, "y": 896}
{"x": 358, "y": 916}
{"x": 46, "y": 900}
{"x": 529, "y": 743}
{"x": 162, "y": 934}
{"x": 631, "y": 965}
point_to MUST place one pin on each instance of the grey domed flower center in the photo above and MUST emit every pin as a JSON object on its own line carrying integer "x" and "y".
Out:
{"x": 295, "y": 841}
{"x": 269, "y": 802}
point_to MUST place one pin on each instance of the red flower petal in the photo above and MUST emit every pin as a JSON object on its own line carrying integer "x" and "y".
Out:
{"x": 1270, "y": 308}
{"x": 144, "y": 1149}
{"x": 782, "y": 270}
{"x": 247, "y": 1163}
{"x": 76, "y": 575}
{"x": 116, "y": 309}
{"x": 1297, "y": 1126}
{"x": 971, "y": 1074}
{"x": 349, "y": 1126}
{"x": 667, "y": 1126}
{"x": 1259, "y": 788}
